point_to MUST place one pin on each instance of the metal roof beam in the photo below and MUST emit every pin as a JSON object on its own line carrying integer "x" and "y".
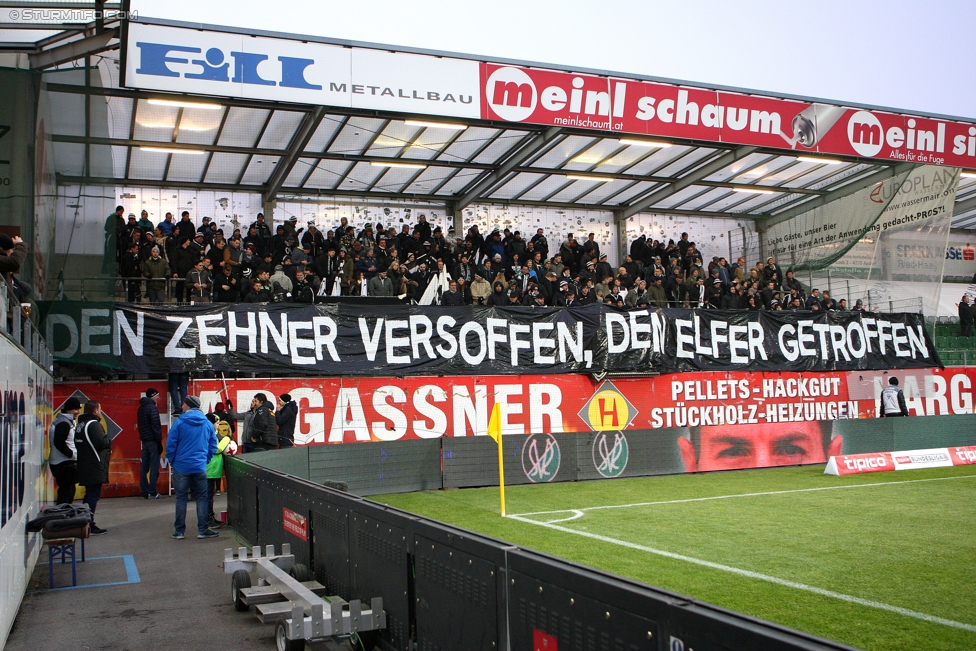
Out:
{"x": 298, "y": 142}
{"x": 964, "y": 206}
{"x": 74, "y": 50}
{"x": 685, "y": 181}
{"x": 534, "y": 144}
{"x": 765, "y": 221}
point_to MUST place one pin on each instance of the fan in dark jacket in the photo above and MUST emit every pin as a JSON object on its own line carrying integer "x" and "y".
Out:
{"x": 285, "y": 419}
{"x": 262, "y": 433}
{"x": 94, "y": 450}
{"x": 151, "y": 436}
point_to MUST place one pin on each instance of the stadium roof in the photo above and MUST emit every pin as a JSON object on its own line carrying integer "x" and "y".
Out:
{"x": 289, "y": 149}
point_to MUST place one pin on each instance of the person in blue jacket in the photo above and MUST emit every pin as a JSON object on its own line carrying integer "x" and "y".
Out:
{"x": 191, "y": 444}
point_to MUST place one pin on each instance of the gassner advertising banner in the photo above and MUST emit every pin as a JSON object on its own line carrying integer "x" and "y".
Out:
{"x": 308, "y": 70}
{"x": 345, "y": 339}
{"x": 564, "y": 428}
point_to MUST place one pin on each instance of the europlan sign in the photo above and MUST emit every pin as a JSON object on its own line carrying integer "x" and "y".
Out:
{"x": 185, "y": 60}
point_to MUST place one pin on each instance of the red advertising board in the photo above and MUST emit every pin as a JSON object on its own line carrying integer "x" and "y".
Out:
{"x": 333, "y": 410}
{"x": 120, "y": 404}
{"x": 567, "y": 99}
{"x": 857, "y": 464}
{"x": 294, "y": 523}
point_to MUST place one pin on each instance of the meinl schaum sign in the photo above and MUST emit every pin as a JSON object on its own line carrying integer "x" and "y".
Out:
{"x": 293, "y": 69}
{"x": 349, "y": 340}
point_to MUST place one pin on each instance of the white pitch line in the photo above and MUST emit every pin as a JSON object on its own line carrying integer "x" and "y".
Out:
{"x": 578, "y": 513}
{"x": 762, "y": 577}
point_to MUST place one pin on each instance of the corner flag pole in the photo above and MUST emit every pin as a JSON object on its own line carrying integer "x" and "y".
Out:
{"x": 495, "y": 432}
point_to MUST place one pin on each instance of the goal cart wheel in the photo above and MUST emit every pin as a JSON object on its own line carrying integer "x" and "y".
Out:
{"x": 282, "y": 643}
{"x": 299, "y": 572}
{"x": 238, "y": 581}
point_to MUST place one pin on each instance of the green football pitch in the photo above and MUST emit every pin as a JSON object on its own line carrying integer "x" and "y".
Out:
{"x": 882, "y": 561}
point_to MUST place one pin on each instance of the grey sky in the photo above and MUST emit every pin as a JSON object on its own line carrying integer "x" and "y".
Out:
{"x": 917, "y": 56}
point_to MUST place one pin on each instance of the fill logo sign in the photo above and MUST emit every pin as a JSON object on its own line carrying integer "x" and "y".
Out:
{"x": 511, "y": 94}
{"x": 865, "y": 133}
{"x": 608, "y": 410}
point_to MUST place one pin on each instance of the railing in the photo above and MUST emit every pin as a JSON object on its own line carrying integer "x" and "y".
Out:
{"x": 18, "y": 326}
{"x": 107, "y": 288}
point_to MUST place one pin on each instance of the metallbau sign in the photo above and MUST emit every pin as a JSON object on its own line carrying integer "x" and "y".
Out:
{"x": 290, "y": 70}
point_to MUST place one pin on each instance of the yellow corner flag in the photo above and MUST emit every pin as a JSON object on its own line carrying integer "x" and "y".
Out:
{"x": 495, "y": 432}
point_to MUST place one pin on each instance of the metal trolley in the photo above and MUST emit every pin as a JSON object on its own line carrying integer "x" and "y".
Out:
{"x": 286, "y": 596}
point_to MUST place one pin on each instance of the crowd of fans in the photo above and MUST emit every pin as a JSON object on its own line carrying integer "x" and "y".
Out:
{"x": 297, "y": 264}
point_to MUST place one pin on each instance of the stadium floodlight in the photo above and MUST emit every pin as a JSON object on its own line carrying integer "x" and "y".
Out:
{"x": 819, "y": 161}
{"x": 644, "y": 143}
{"x": 181, "y": 104}
{"x": 968, "y": 175}
{"x": 409, "y": 166}
{"x": 753, "y": 190}
{"x": 595, "y": 179}
{"x": 169, "y": 150}
{"x": 435, "y": 125}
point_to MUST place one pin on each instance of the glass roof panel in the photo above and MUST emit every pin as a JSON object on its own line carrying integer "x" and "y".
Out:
{"x": 327, "y": 173}
{"x": 260, "y": 170}
{"x": 225, "y": 168}
{"x": 155, "y": 122}
{"x": 119, "y": 156}
{"x": 752, "y": 166}
{"x": 428, "y": 143}
{"x": 547, "y": 187}
{"x": 501, "y": 146}
{"x": 631, "y": 192}
{"x": 703, "y": 201}
{"x": 430, "y": 179}
{"x": 577, "y": 188}
{"x": 394, "y": 179}
{"x": 786, "y": 172}
{"x": 626, "y": 157}
{"x": 515, "y": 186}
{"x": 598, "y": 153}
{"x": 356, "y": 135}
{"x": 26, "y": 35}
{"x": 601, "y": 192}
{"x": 468, "y": 143}
{"x": 298, "y": 171}
{"x": 661, "y": 158}
{"x": 683, "y": 165}
{"x": 186, "y": 167}
{"x": 679, "y": 197}
{"x": 147, "y": 164}
{"x": 243, "y": 126}
{"x": 323, "y": 134}
{"x": 564, "y": 150}
{"x": 394, "y": 138}
{"x": 362, "y": 176}
{"x": 827, "y": 175}
{"x": 761, "y": 203}
{"x": 199, "y": 127}
{"x": 281, "y": 129}
{"x": 460, "y": 181}
{"x": 100, "y": 161}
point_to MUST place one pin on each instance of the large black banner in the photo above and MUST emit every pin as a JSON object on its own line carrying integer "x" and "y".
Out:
{"x": 343, "y": 339}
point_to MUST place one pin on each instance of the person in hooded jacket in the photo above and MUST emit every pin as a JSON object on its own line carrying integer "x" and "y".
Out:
{"x": 94, "y": 450}
{"x": 285, "y": 419}
{"x": 151, "y": 436}
{"x": 191, "y": 444}
{"x": 498, "y": 297}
